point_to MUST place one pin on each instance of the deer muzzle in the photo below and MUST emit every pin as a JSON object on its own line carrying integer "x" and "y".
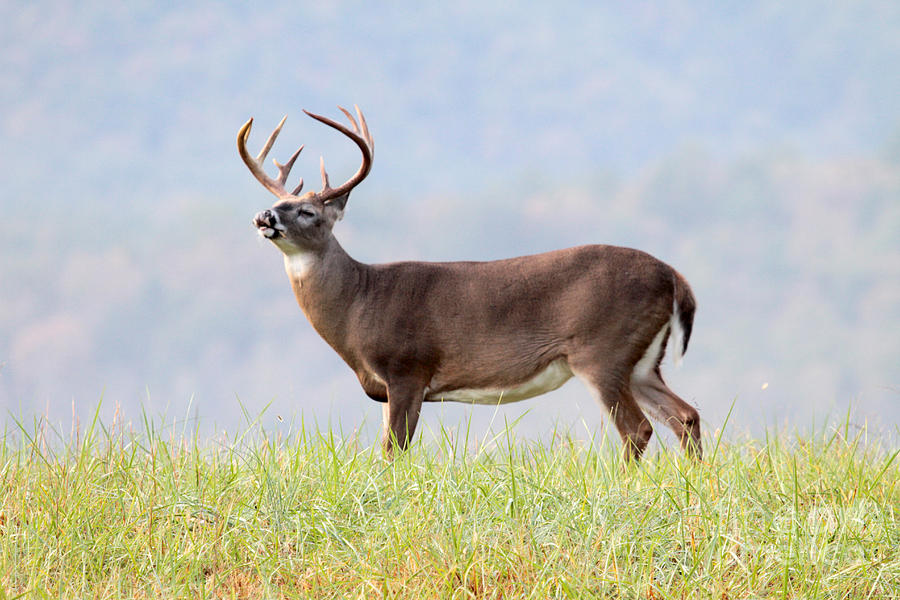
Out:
{"x": 268, "y": 224}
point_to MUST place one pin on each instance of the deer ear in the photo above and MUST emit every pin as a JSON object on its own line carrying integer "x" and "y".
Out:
{"x": 334, "y": 208}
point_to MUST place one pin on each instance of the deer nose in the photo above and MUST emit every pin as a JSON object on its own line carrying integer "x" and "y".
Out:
{"x": 265, "y": 218}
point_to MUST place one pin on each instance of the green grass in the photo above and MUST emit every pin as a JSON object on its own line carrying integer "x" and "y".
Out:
{"x": 149, "y": 514}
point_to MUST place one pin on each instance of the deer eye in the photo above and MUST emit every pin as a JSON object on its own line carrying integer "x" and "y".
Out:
{"x": 305, "y": 212}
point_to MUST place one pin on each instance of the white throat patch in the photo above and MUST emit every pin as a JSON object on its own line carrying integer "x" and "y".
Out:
{"x": 298, "y": 264}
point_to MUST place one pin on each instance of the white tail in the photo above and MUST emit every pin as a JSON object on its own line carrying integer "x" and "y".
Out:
{"x": 482, "y": 332}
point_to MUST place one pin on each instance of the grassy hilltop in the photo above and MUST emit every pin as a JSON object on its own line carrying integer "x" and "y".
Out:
{"x": 114, "y": 514}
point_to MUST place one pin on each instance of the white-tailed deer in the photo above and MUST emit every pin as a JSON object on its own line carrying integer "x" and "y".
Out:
{"x": 482, "y": 332}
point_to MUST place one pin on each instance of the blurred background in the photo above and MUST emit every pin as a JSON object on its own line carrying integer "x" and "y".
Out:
{"x": 756, "y": 148}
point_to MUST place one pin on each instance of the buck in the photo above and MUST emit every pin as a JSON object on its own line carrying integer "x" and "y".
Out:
{"x": 481, "y": 332}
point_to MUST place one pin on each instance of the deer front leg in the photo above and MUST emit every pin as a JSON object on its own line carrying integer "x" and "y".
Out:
{"x": 400, "y": 414}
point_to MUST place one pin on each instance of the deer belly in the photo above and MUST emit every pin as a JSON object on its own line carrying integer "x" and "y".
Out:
{"x": 554, "y": 375}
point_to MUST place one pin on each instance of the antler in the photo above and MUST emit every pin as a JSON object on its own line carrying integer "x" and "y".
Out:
{"x": 360, "y": 135}
{"x": 276, "y": 186}
{"x": 363, "y": 139}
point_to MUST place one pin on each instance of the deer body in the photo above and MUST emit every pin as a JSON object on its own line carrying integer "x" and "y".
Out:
{"x": 484, "y": 332}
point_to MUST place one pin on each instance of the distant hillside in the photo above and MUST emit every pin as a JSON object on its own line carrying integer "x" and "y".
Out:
{"x": 796, "y": 267}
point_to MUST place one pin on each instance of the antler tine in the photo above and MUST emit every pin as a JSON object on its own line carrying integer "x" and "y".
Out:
{"x": 276, "y": 186}
{"x": 285, "y": 169}
{"x": 362, "y": 138}
{"x": 268, "y": 145}
{"x": 350, "y": 117}
{"x": 325, "y": 184}
{"x": 365, "y": 129}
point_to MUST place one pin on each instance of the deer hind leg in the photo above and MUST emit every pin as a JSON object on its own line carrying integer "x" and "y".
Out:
{"x": 400, "y": 414}
{"x": 654, "y": 396}
{"x": 616, "y": 397}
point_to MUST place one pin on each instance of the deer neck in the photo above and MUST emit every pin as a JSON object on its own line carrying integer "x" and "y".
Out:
{"x": 325, "y": 281}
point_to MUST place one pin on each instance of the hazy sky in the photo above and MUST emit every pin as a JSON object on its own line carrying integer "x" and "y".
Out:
{"x": 753, "y": 146}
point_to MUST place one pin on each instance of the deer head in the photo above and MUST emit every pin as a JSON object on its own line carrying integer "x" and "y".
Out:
{"x": 302, "y": 223}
